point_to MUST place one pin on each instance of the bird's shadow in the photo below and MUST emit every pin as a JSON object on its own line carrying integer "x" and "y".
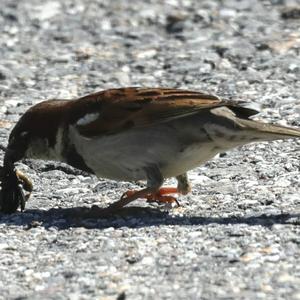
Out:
{"x": 134, "y": 217}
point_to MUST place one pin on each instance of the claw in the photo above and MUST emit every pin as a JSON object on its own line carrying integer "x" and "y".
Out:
{"x": 128, "y": 194}
{"x": 162, "y": 196}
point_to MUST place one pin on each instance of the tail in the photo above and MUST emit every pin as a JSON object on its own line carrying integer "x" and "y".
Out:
{"x": 268, "y": 132}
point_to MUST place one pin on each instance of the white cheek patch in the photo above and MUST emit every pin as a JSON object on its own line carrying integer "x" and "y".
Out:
{"x": 88, "y": 118}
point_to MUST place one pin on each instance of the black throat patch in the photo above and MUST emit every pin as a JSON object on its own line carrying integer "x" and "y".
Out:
{"x": 71, "y": 156}
{"x": 74, "y": 159}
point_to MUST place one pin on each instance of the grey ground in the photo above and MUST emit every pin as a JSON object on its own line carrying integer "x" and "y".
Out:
{"x": 236, "y": 235}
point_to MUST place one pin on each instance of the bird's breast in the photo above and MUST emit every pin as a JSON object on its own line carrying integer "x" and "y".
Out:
{"x": 127, "y": 155}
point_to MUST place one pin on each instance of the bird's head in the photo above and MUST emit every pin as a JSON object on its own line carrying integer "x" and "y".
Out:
{"x": 35, "y": 134}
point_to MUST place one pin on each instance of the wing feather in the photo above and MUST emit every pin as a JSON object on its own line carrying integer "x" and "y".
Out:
{"x": 121, "y": 109}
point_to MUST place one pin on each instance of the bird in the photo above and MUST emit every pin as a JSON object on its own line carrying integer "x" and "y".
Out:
{"x": 134, "y": 133}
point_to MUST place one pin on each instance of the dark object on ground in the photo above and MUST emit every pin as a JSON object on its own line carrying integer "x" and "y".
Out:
{"x": 291, "y": 13}
{"x": 11, "y": 194}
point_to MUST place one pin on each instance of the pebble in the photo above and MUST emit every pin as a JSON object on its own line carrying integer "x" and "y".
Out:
{"x": 203, "y": 180}
{"x": 46, "y": 11}
{"x": 146, "y": 54}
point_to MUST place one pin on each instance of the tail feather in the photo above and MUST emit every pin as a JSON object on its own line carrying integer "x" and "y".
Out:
{"x": 269, "y": 131}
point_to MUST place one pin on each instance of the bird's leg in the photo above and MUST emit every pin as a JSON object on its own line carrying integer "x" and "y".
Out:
{"x": 97, "y": 212}
{"x": 162, "y": 195}
{"x": 154, "y": 182}
{"x": 130, "y": 196}
{"x": 183, "y": 186}
{"x": 153, "y": 192}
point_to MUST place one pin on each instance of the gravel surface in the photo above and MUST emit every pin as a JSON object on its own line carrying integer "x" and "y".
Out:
{"x": 236, "y": 235}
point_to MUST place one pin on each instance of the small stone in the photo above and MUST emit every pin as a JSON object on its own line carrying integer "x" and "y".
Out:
{"x": 224, "y": 64}
{"x": 227, "y": 13}
{"x": 203, "y": 180}
{"x": 291, "y": 12}
{"x": 175, "y": 23}
{"x": 282, "y": 182}
{"x": 84, "y": 53}
{"x": 3, "y": 246}
{"x": 47, "y": 11}
{"x": 283, "y": 278}
{"x": 202, "y": 15}
{"x": 148, "y": 260}
{"x": 248, "y": 257}
{"x": 2, "y": 75}
{"x": 295, "y": 68}
{"x": 64, "y": 58}
{"x": 13, "y": 102}
{"x": 122, "y": 78}
{"x": 5, "y": 124}
{"x": 149, "y": 53}
{"x": 5, "y": 73}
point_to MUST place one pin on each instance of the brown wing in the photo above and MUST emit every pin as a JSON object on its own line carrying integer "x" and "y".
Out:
{"x": 121, "y": 109}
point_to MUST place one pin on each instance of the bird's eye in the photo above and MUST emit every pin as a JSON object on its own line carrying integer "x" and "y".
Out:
{"x": 19, "y": 138}
{"x": 24, "y": 134}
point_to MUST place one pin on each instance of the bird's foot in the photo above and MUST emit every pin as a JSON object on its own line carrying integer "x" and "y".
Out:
{"x": 161, "y": 196}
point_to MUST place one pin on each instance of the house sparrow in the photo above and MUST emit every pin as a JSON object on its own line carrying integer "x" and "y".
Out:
{"x": 137, "y": 134}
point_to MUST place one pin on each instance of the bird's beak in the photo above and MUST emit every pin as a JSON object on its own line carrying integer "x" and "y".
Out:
{"x": 10, "y": 157}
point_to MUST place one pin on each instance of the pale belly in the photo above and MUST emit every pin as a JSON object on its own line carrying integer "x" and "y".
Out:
{"x": 127, "y": 156}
